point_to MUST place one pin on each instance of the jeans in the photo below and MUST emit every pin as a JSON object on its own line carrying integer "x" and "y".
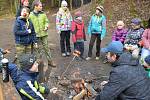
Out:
{"x": 94, "y": 37}
{"x": 80, "y": 47}
{"x": 65, "y": 41}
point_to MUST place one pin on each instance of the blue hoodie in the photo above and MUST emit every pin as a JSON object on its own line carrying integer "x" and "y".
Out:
{"x": 97, "y": 25}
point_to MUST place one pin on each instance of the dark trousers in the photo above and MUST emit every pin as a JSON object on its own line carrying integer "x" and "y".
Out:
{"x": 80, "y": 47}
{"x": 94, "y": 37}
{"x": 65, "y": 41}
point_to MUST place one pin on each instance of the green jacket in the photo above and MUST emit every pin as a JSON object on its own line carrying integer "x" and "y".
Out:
{"x": 40, "y": 23}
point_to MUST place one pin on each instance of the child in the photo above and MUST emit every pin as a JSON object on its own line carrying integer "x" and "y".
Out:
{"x": 25, "y": 79}
{"x": 97, "y": 30}
{"x": 147, "y": 65}
{"x": 25, "y": 36}
{"x": 134, "y": 36}
{"x": 78, "y": 33}
{"x": 63, "y": 27}
{"x": 41, "y": 24}
{"x": 120, "y": 32}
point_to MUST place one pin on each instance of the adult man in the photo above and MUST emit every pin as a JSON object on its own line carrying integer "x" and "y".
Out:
{"x": 128, "y": 80}
{"x": 25, "y": 79}
{"x": 41, "y": 23}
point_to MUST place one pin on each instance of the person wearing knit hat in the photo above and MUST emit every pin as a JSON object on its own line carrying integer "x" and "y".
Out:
{"x": 64, "y": 3}
{"x": 23, "y": 3}
{"x": 97, "y": 31}
{"x": 26, "y": 78}
{"x": 78, "y": 33}
{"x": 134, "y": 36}
{"x": 120, "y": 32}
{"x": 100, "y": 8}
{"x": 63, "y": 28}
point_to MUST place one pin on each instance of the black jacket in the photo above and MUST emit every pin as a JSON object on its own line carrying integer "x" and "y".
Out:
{"x": 128, "y": 81}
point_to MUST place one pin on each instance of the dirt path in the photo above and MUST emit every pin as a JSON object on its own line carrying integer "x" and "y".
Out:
{"x": 85, "y": 68}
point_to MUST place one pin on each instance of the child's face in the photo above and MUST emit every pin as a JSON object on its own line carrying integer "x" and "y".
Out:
{"x": 24, "y": 13}
{"x": 98, "y": 12}
{"x": 39, "y": 7}
{"x": 64, "y": 8}
{"x": 119, "y": 26}
{"x": 134, "y": 26}
{"x": 34, "y": 67}
{"x": 26, "y": 3}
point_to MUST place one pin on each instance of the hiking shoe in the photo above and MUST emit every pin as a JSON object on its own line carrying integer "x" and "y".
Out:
{"x": 68, "y": 53}
{"x": 63, "y": 54}
{"x": 51, "y": 63}
{"x": 88, "y": 58}
{"x": 97, "y": 58}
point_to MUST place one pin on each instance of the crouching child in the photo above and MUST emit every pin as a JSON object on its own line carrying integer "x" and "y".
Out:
{"x": 25, "y": 78}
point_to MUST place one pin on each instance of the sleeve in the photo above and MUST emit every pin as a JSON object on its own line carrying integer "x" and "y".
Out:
{"x": 18, "y": 31}
{"x": 124, "y": 35}
{"x": 127, "y": 38}
{"x": 33, "y": 33}
{"x": 29, "y": 91}
{"x": 145, "y": 39}
{"x": 13, "y": 72}
{"x": 103, "y": 27}
{"x": 113, "y": 88}
{"x": 89, "y": 26}
{"x": 114, "y": 35}
{"x": 84, "y": 32}
{"x": 46, "y": 22}
{"x": 58, "y": 18}
{"x": 73, "y": 30}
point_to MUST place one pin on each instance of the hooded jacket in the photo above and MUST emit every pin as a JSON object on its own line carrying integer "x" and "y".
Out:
{"x": 22, "y": 36}
{"x": 25, "y": 83}
{"x": 128, "y": 81}
{"x": 97, "y": 25}
{"x": 63, "y": 20}
{"x": 40, "y": 22}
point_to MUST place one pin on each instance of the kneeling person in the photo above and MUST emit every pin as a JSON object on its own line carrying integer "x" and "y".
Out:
{"x": 25, "y": 79}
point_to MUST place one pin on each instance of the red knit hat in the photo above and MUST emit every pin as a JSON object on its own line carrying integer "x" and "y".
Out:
{"x": 78, "y": 14}
{"x": 22, "y": 1}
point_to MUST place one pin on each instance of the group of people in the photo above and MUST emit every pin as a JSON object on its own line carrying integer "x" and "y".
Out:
{"x": 129, "y": 51}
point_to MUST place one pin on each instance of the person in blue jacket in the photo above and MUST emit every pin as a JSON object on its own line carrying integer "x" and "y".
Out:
{"x": 25, "y": 79}
{"x": 128, "y": 80}
{"x": 97, "y": 30}
{"x": 24, "y": 33}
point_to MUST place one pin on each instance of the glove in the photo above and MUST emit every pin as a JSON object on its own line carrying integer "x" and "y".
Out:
{"x": 29, "y": 31}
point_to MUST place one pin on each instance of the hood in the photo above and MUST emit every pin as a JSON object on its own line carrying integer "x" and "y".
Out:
{"x": 126, "y": 59}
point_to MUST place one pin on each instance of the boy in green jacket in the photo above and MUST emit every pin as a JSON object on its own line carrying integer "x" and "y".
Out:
{"x": 41, "y": 24}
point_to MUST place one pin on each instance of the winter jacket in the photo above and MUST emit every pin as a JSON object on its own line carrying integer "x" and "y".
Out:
{"x": 22, "y": 36}
{"x": 134, "y": 36}
{"x": 40, "y": 22}
{"x": 63, "y": 20}
{"x": 146, "y": 38}
{"x": 128, "y": 81}
{"x": 119, "y": 35}
{"x": 97, "y": 25}
{"x": 78, "y": 31}
{"x": 25, "y": 83}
